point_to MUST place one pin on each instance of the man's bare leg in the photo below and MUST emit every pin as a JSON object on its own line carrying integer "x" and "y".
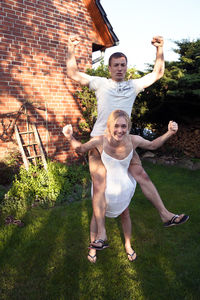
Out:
{"x": 148, "y": 188}
{"x": 127, "y": 229}
{"x": 98, "y": 174}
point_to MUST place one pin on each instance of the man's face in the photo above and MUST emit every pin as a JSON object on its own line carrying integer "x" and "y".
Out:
{"x": 118, "y": 68}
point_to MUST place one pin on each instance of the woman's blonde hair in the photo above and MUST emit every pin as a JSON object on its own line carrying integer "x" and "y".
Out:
{"x": 115, "y": 114}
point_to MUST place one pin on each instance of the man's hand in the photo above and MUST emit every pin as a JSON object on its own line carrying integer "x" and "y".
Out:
{"x": 68, "y": 131}
{"x": 172, "y": 127}
{"x": 73, "y": 40}
{"x": 157, "y": 41}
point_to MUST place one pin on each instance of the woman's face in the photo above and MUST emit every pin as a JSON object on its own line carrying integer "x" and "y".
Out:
{"x": 119, "y": 128}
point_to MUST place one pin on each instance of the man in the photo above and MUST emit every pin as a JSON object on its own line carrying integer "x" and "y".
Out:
{"x": 116, "y": 93}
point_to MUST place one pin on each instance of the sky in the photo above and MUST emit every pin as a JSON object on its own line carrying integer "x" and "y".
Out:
{"x": 136, "y": 22}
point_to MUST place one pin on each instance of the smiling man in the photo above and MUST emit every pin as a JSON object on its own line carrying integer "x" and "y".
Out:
{"x": 116, "y": 93}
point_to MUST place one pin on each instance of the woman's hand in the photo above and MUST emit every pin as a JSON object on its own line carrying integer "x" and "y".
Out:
{"x": 172, "y": 127}
{"x": 68, "y": 131}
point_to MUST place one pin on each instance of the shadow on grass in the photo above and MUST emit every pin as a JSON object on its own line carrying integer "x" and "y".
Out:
{"x": 167, "y": 266}
{"x": 47, "y": 259}
{"x": 42, "y": 259}
{"x": 168, "y": 258}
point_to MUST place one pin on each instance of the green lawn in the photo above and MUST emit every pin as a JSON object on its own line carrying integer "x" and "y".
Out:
{"x": 46, "y": 259}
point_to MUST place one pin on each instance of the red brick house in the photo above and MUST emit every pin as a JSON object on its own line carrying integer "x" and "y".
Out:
{"x": 33, "y": 81}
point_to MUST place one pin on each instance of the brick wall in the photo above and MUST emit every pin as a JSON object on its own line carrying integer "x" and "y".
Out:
{"x": 33, "y": 45}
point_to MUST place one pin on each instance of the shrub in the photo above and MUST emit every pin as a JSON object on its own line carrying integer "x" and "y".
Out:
{"x": 9, "y": 166}
{"x": 2, "y": 192}
{"x": 6, "y": 174}
{"x": 88, "y": 100}
{"x": 61, "y": 183}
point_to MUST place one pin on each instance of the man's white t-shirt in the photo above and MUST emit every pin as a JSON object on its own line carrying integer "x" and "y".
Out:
{"x": 112, "y": 95}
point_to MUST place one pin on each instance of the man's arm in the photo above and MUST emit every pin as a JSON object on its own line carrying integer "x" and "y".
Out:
{"x": 159, "y": 66}
{"x": 78, "y": 146}
{"x": 138, "y": 141}
{"x": 72, "y": 68}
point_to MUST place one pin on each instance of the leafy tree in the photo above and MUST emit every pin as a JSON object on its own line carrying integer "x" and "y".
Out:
{"x": 177, "y": 94}
{"x": 189, "y": 55}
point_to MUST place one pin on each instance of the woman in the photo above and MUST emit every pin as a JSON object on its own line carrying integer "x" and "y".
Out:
{"x": 117, "y": 147}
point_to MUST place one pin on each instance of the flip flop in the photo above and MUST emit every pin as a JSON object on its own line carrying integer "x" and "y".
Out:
{"x": 18, "y": 223}
{"x": 93, "y": 257}
{"x": 173, "y": 222}
{"x": 11, "y": 220}
{"x": 131, "y": 255}
{"x": 103, "y": 246}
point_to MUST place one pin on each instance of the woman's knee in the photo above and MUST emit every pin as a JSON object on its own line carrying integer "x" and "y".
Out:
{"x": 125, "y": 214}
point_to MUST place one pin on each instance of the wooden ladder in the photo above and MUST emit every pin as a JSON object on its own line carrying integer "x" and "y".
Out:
{"x": 30, "y": 146}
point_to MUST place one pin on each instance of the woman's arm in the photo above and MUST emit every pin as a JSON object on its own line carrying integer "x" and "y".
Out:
{"x": 78, "y": 146}
{"x": 138, "y": 141}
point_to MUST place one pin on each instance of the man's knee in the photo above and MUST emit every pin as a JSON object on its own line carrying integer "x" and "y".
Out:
{"x": 135, "y": 159}
{"x": 139, "y": 173}
{"x": 99, "y": 183}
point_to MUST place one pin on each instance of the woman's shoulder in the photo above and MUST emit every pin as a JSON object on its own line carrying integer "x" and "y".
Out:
{"x": 134, "y": 139}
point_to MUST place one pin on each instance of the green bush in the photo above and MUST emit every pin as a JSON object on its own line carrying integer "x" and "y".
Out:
{"x": 61, "y": 183}
{"x": 2, "y": 192}
{"x": 6, "y": 174}
{"x": 9, "y": 166}
{"x": 88, "y": 100}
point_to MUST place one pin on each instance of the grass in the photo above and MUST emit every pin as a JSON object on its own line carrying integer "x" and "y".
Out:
{"x": 46, "y": 259}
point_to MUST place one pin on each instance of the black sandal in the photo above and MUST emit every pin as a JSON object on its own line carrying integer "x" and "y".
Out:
{"x": 173, "y": 222}
{"x": 92, "y": 257}
{"x": 103, "y": 246}
{"x": 131, "y": 255}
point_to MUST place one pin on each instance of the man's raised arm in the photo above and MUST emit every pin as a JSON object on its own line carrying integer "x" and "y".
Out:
{"x": 72, "y": 68}
{"x": 159, "y": 66}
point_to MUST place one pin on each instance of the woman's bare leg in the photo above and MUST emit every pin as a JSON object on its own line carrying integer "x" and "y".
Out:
{"x": 93, "y": 233}
{"x": 127, "y": 229}
{"x": 98, "y": 175}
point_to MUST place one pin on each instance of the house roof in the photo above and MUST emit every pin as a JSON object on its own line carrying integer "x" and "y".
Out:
{"x": 104, "y": 36}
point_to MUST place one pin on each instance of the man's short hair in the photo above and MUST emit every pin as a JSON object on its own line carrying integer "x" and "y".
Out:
{"x": 117, "y": 55}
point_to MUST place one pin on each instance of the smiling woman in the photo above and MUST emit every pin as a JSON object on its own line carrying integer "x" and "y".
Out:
{"x": 118, "y": 123}
{"x": 117, "y": 148}
{"x": 119, "y": 128}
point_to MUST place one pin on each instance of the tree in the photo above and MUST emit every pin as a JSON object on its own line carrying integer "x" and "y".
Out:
{"x": 177, "y": 94}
